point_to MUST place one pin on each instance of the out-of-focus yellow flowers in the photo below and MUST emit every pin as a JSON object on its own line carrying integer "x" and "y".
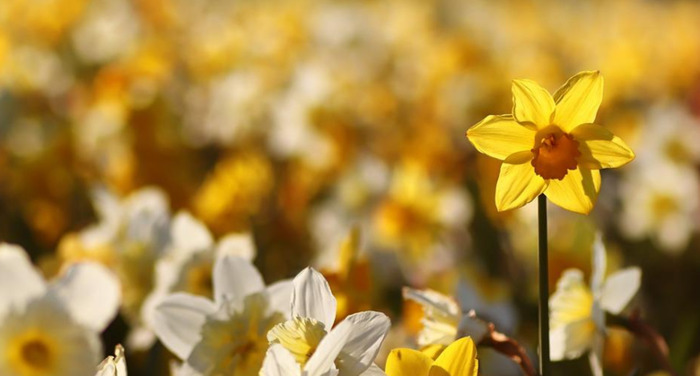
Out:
{"x": 234, "y": 191}
{"x": 550, "y": 145}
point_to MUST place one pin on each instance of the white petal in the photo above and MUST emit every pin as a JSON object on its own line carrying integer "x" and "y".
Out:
{"x": 235, "y": 278}
{"x": 619, "y": 289}
{"x": 595, "y": 357}
{"x": 328, "y": 349}
{"x": 140, "y": 338}
{"x": 105, "y": 203}
{"x": 373, "y": 370}
{"x": 183, "y": 370}
{"x": 433, "y": 301}
{"x": 312, "y": 297}
{"x": 240, "y": 245}
{"x": 91, "y": 293}
{"x": 113, "y": 365}
{"x": 368, "y": 332}
{"x": 279, "y": 362}
{"x": 188, "y": 233}
{"x": 279, "y": 296}
{"x": 178, "y": 321}
{"x": 572, "y": 340}
{"x": 599, "y": 263}
{"x": 19, "y": 281}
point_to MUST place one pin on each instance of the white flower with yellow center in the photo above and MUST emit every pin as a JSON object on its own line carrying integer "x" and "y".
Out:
{"x": 52, "y": 329}
{"x": 309, "y": 345}
{"x": 577, "y": 319}
{"x": 113, "y": 365}
{"x": 132, "y": 233}
{"x": 188, "y": 265}
{"x": 443, "y": 319}
{"x": 225, "y": 336}
{"x": 660, "y": 201}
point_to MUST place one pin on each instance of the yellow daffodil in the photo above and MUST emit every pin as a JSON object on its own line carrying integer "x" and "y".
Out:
{"x": 550, "y": 145}
{"x": 458, "y": 359}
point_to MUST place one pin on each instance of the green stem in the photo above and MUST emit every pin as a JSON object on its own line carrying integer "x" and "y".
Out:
{"x": 544, "y": 285}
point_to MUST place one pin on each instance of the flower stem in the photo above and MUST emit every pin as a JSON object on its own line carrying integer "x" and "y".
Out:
{"x": 544, "y": 285}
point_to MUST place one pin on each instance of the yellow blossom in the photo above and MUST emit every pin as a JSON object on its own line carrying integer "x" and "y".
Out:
{"x": 550, "y": 144}
{"x": 457, "y": 359}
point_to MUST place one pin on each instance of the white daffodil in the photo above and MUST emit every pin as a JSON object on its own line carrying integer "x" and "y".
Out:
{"x": 132, "y": 233}
{"x": 660, "y": 201}
{"x": 309, "y": 345}
{"x": 113, "y": 365}
{"x": 577, "y": 319}
{"x": 226, "y": 335}
{"x": 444, "y": 321}
{"x": 188, "y": 266}
{"x": 52, "y": 329}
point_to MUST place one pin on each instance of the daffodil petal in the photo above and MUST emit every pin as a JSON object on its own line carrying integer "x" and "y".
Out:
{"x": 517, "y": 184}
{"x": 572, "y": 340}
{"x": 235, "y": 278}
{"x": 189, "y": 234}
{"x": 367, "y": 335}
{"x": 279, "y": 294}
{"x": 17, "y": 270}
{"x": 279, "y": 362}
{"x": 178, "y": 322}
{"x": 572, "y": 301}
{"x": 578, "y": 100}
{"x": 312, "y": 297}
{"x": 499, "y": 136}
{"x": 577, "y": 191}
{"x": 322, "y": 360}
{"x": 458, "y": 359}
{"x": 404, "y": 362}
{"x": 619, "y": 289}
{"x": 91, "y": 293}
{"x": 600, "y": 148}
{"x": 532, "y": 103}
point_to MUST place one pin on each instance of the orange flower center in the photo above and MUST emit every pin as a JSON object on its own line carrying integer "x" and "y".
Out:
{"x": 555, "y": 154}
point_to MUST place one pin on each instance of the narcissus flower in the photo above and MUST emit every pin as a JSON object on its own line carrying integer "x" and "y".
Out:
{"x": 53, "y": 328}
{"x": 309, "y": 344}
{"x": 459, "y": 358}
{"x": 577, "y": 322}
{"x": 550, "y": 145}
{"x": 225, "y": 336}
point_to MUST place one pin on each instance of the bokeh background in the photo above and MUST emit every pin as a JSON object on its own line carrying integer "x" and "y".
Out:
{"x": 300, "y": 120}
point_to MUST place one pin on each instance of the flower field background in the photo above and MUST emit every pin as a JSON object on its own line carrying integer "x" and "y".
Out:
{"x": 150, "y": 148}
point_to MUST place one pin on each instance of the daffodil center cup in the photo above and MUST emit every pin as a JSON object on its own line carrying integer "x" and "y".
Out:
{"x": 555, "y": 153}
{"x": 300, "y": 336}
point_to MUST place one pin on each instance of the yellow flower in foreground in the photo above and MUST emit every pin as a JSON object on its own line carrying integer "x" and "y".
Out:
{"x": 550, "y": 145}
{"x": 458, "y": 359}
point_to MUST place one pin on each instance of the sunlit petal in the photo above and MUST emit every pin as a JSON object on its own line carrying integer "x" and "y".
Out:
{"x": 499, "y": 136}
{"x": 517, "y": 185}
{"x": 402, "y": 362}
{"x": 578, "y": 100}
{"x": 577, "y": 191}
{"x": 532, "y": 103}
{"x": 458, "y": 359}
{"x": 619, "y": 289}
{"x": 600, "y": 148}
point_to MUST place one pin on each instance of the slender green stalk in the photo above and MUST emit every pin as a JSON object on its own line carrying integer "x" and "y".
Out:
{"x": 544, "y": 285}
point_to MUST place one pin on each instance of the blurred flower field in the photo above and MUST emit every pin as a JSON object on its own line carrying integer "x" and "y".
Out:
{"x": 284, "y": 187}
